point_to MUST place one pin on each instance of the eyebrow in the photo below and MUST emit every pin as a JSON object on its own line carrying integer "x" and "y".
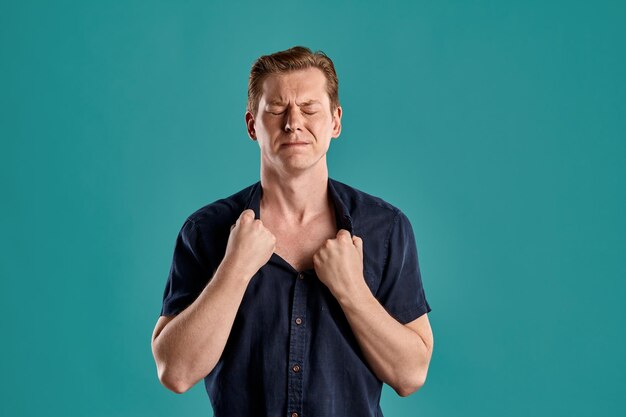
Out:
{"x": 281, "y": 103}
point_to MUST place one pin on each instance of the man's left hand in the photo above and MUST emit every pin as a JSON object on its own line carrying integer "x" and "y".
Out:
{"x": 339, "y": 264}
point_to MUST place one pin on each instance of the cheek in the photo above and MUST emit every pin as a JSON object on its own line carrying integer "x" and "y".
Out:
{"x": 320, "y": 124}
{"x": 272, "y": 128}
{"x": 266, "y": 123}
{"x": 322, "y": 130}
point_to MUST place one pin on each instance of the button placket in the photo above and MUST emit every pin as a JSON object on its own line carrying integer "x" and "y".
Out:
{"x": 297, "y": 342}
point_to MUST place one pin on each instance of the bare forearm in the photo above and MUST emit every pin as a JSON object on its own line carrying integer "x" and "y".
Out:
{"x": 396, "y": 354}
{"x": 190, "y": 345}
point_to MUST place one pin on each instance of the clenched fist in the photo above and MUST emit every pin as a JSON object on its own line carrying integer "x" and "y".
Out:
{"x": 250, "y": 245}
{"x": 339, "y": 264}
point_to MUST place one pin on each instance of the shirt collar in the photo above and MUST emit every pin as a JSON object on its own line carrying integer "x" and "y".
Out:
{"x": 344, "y": 220}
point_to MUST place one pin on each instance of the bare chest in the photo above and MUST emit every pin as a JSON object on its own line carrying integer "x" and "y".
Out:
{"x": 297, "y": 245}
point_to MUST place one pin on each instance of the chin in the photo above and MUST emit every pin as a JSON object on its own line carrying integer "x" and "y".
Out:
{"x": 295, "y": 167}
{"x": 300, "y": 164}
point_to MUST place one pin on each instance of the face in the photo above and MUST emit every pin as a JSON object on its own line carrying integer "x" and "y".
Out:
{"x": 294, "y": 125}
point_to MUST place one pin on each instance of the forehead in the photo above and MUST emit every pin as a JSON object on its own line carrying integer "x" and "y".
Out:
{"x": 307, "y": 84}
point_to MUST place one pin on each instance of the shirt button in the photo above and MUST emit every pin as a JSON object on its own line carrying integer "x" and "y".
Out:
{"x": 300, "y": 275}
{"x": 296, "y": 368}
{"x": 294, "y": 414}
{"x": 298, "y": 321}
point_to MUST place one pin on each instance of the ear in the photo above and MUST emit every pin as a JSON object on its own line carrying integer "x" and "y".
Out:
{"x": 250, "y": 125}
{"x": 337, "y": 122}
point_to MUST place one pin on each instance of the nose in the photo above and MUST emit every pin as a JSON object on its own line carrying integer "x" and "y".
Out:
{"x": 293, "y": 119}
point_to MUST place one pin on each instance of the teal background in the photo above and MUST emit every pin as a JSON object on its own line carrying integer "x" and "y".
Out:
{"x": 497, "y": 127}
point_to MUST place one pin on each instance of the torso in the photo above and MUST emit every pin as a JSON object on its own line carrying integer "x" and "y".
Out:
{"x": 298, "y": 245}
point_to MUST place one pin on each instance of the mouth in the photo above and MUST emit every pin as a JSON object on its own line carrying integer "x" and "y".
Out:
{"x": 295, "y": 144}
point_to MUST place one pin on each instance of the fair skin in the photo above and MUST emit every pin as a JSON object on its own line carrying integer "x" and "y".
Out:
{"x": 293, "y": 128}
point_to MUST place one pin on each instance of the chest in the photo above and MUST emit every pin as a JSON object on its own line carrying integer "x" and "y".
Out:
{"x": 297, "y": 245}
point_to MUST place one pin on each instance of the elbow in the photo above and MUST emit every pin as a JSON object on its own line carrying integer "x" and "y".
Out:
{"x": 167, "y": 376}
{"x": 176, "y": 377}
{"x": 173, "y": 383}
{"x": 407, "y": 389}
{"x": 178, "y": 380}
{"x": 414, "y": 378}
{"x": 410, "y": 384}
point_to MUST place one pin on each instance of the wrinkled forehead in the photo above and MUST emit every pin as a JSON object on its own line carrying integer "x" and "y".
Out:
{"x": 302, "y": 85}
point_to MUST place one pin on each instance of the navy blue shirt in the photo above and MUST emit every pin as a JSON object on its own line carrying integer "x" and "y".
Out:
{"x": 291, "y": 351}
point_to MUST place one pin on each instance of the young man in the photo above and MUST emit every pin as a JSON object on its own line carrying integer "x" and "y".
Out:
{"x": 298, "y": 295}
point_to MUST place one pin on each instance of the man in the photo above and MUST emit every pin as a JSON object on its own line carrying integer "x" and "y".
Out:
{"x": 298, "y": 295}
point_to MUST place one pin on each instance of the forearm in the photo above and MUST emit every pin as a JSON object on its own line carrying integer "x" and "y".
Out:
{"x": 189, "y": 347}
{"x": 396, "y": 354}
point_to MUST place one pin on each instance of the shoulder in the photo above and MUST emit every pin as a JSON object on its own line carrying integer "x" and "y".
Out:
{"x": 364, "y": 206}
{"x": 222, "y": 212}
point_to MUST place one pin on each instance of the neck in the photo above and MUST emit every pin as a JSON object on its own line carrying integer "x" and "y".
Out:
{"x": 295, "y": 199}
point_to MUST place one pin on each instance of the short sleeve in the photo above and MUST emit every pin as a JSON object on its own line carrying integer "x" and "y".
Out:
{"x": 401, "y": 291}
{"x": 188, "y": 273}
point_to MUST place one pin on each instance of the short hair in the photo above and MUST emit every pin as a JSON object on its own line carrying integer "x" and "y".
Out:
{"x": 292, "y": 59}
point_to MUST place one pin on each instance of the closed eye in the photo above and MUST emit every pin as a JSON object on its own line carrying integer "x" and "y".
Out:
{"x": 279, "y": 113}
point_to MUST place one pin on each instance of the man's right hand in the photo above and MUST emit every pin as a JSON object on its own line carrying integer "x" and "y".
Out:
{"x": 250, "y": 244}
